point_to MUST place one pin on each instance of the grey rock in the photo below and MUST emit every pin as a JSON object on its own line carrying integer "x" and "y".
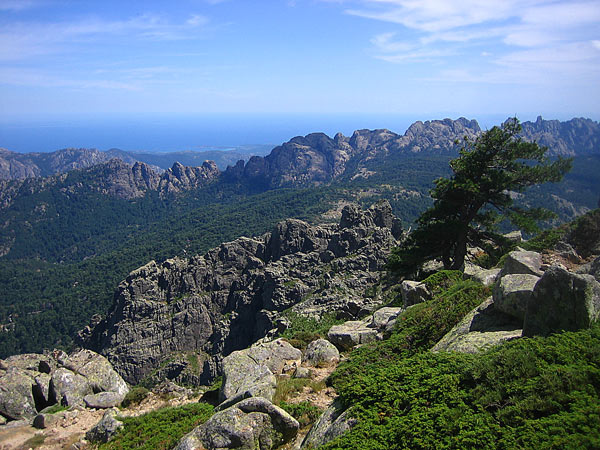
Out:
{"x": 522, "y": 262}
{"x": 566, "y": 251}
{"x": 43, "y": 420}
{"x": 321, "y": 353}
{"x": 334, "y": 422}
{"x": 562, "y": 301}
{"x": 413, "y": 292}
{"x": 69, "y": 388}
{"x": 103, "y": 400}
{"x": 30, "y": 361}
{"x": 41, "y": 389}
{"x": 513, "y": 293}
{"x": 98, "y": 371}
{"x": 382, "y": 317}
{"x": 243, "y": 374}
{"x": 254, "y": 423}
{"x": 592, "y": 268}
{"x": 350, "y": 334}
{"x": 277, "y": 355}
{"x": 302, "y": 372}
{"x": 514, "y": 236}
{"x": 16, "y": 397}
{"x": 106, "y": 428}
{"x": 2, "y": 420}
{"x": 487, "y": 277}
{"x": 482, "y": 328}
{"x": 234, "y": 295}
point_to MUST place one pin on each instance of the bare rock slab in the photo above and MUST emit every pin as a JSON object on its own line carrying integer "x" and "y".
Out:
{"x": 562, "y": 301}
{"x": 351, "y": 333}
{"x": 524, "y": 262}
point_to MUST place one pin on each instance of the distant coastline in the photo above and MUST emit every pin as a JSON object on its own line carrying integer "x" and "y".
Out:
{"x": 168, "y": 133}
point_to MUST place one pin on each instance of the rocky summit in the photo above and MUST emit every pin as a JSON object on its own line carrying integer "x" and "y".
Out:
{"x": 178, "y": 319}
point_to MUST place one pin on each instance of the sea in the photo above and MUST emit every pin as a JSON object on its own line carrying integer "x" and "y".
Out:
{"x": 178, "y": 132}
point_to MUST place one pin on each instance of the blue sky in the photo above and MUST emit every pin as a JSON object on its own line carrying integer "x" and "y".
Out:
{"x": 424, "y": 57}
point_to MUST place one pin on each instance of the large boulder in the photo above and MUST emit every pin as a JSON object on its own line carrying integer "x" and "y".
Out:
{"x": 351, "y": 333}
{"x": 253, "y": 423}
{"x": 16, "y": 397}
{"x": 68, "y": 388}
{"x": 487, "y": 277}
{"x": 383, "y": 316}
{"x": 413, "y": 292}
{"x": 322, "y": 353}
{"x": 334, "y": 422}
{"x": 251, "y": 372}
{"x": 524, "y": 262}
{"x": 562, "y": 301}
{"x": 98, "y": 371}
{"x": 482, "y": 328}
{"x": 513, "y": 292}
{"x": 103, "y": 400}
{"x": 31, "y": 361}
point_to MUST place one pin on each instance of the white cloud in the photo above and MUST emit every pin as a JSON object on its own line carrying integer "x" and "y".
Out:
{"x": 528, "y": 39}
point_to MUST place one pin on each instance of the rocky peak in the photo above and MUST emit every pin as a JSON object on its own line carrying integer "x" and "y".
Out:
{"x": 235, "y": 294}
{"x": 181, "y": 178}
{"x": 574, "y": 137}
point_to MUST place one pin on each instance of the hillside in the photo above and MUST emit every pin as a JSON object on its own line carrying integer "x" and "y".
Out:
{"x": 67, "y": 240}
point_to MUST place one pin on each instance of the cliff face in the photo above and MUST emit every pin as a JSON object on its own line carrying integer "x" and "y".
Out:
{"x": 234, "y": 295}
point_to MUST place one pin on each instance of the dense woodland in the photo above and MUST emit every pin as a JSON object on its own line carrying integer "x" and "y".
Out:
{"x": 67, "y": 258}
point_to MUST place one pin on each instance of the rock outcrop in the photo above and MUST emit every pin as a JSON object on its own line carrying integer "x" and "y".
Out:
{"x": 231, "y": 297}
{"x": 253, "y": 423}
{"x": 29, "y": 383}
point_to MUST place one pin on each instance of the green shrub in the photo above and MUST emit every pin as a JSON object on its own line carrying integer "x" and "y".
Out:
{"x": 160, "y": 429}
{"x": 304, "y": 412}
{"x": 528, "y": 393}
{"x": 303, "y": 329}
{"x": 442, "y": 280}
{"x": 546, "y": 239}
{"x": 135, "y": 396}
{"x": 56, "y": 408}
{"x": 585, "y": 233}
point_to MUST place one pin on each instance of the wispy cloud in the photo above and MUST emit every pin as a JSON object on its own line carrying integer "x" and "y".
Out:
{"x": 21, "y": 41}
{"x": 529, "y": 37}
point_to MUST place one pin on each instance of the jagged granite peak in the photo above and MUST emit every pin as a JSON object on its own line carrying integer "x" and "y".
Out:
{"x": 235, "y": 294}
{"x": 116, "y": 178}
{"x": 577, "y": 136}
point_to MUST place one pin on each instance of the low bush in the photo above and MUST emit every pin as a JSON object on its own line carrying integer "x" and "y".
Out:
{"x": 135, "y": 396}
{"x": 159, "y": 430}
{"x": 303, "y": 330}
{"x": 304, "y": 412}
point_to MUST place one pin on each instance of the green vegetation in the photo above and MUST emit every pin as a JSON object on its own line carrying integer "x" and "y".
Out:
{"x": 304, "y": 412}
{"x": 469, "y": 205}
{"x": 530, "y": 393}
{"x": 287, "y": 387}
{"x": 135, "y": 396}
{"x": 55, "y": 409}
{"x": 303, "y": 329}
{"x": 159, "y": 430}
{"x": 35, "y": 441}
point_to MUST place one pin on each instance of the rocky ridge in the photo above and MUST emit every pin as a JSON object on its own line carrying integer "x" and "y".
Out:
{"x": 116, "y": 178}
{"x": 206, "y": 307}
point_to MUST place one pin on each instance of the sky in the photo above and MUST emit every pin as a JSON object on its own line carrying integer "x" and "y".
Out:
{"x": 434, "y": 58}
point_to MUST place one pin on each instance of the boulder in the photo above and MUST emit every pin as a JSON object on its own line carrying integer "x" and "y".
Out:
{"x": 487, "y": 277}
{"x": 334, "y": 422}
{"x": 382, "y": 317}
{"x": 322, "y": 353}
{"x": 243, "y": 374}
{"x": 524, "y": 262}
{"x": 513, "y": 292}
{"x": 16, "y": 397}
{"x": 351, "y": 333}
{"x": 253, "y": 423}
{"x": 68, "y": 388}
{"x": 413, "y": 292}
{"x": 103, "y": 400}
{"x": 31, "y": 361}
{"x": 482, "y": 328}
{"x": 98, "y": 371}
{"x": 514, "y": 236}
{"x": 104, "y": 430}
{"x": 43, "y": 420}
{"x": 562, "y": 301}
{"x": 303, "y": 372}
{"x": 279, "y": 355}
{"x": 41, "y": 389}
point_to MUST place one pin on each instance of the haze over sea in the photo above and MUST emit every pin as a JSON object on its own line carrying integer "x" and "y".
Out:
{"x": 167, "y": 133}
